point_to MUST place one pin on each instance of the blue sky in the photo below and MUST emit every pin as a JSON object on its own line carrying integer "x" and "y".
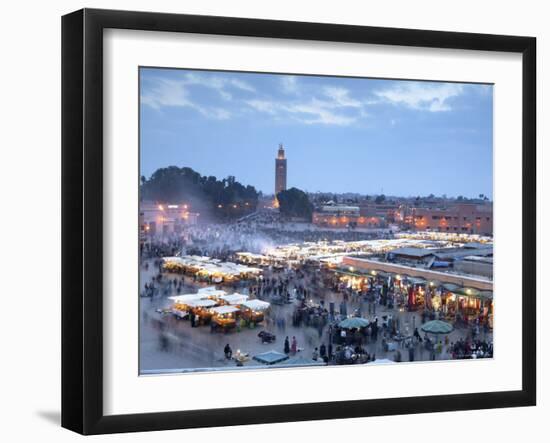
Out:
{"x": 403, "y": 138}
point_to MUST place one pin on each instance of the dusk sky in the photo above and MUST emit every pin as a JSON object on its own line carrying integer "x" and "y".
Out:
{"x": 402, "y": 138}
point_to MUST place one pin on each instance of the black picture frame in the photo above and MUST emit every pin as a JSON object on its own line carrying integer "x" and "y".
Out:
{"x": 82, "y": 215}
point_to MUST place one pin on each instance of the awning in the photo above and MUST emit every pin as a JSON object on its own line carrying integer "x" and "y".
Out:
{"x": 234, "y": 299}
{"x": 188, "y": 298}
{"x": 416, "y": 280}
{"x": 352, "y": 274}
{"x": 434, "y": 283}
{"x": 451, "y": 287}
{"x": 468, "y": 292}
{"x": 202, "y": 303}
{"x": 256, "y": 305}
{"x": 220, "y": 310}
{"x": 383, "y": 274}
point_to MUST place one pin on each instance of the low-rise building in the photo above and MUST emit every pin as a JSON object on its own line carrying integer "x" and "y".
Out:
{"x": 163, "y": 218}
{"x": 390, "y": 212}
{"x": 369, "y": 265}
{"x": 475, "y": 265}
{"x": 460, "y": 218}
{"x": 344, "y": 216}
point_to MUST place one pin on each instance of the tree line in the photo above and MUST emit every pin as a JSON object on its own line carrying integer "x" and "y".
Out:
{"x": 220, "y": 199}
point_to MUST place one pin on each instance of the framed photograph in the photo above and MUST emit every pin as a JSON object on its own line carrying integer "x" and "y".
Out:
{"x": 268, "y": 221}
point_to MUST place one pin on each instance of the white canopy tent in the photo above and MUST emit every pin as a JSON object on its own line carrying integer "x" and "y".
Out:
{"x": 234, "y": 299}
{"x": 212, "y": 266}
{"x": 207, "y": 289}
{"x": 256, "y": 305}
{"x": 211, "y": 291}
{"x": 202, "y": 303}
{"x": 220, "y": 310}
{"x": 187, "y": 298}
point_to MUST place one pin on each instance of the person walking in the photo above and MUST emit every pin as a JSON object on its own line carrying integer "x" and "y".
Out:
{"x": 417, "y": 335}
{"x": 287, "y": 346}
{"x": 294, "y": 346}
{"x": 411, "y": 351}
{"x": 323, "y": 351}
{"x": 227, "y": 351}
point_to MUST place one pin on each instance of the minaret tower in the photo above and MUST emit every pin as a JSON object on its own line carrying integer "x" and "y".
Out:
{"x": 280, "y": 171}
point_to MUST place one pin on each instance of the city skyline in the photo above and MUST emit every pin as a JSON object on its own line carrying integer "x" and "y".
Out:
{"x": 341, "y": 135}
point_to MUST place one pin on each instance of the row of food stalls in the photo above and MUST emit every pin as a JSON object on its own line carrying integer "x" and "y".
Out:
{"x": 249, "y": 258}
{"x": 328, "y": 251}
{"x": 331, "y": 253}
{"x": 450, "y": 237}
{"x": 218, "y": 308}
{"x": 413, "y": 293}
{"x": 213, "y": 269}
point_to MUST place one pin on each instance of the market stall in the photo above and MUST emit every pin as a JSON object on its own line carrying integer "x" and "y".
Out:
{"x": 209, "y": 269}
{"x": 181, "y": 307}
{"x": 467, "y": 304}
{"x": 224, "y": 318}
{"x": 201, "y": 309}
{"x": 486, "y": 310}
{"x": 250, "y": 258}
{"x": 433, "y": 295}
{"x": 253, "y": 311}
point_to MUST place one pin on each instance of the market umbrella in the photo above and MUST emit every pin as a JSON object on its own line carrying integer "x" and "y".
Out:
{"x": 270, "y": 357}
{"x": 354, "y": 323}
{"x": 437, "y": 327}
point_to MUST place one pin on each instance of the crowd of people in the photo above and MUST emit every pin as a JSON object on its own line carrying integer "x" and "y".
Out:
{"x": 311, "y": 299}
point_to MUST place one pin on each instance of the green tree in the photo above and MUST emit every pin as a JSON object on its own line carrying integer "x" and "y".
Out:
{"x": 295, "y": 203}
{"x": 225, "y": 198}
{"x": 380, "y": 198}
